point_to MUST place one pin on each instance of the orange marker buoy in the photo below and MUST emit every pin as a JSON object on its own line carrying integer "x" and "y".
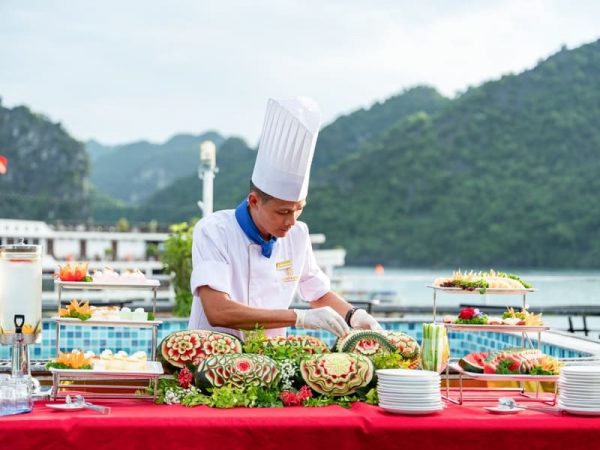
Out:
{"x": 379, "y": 270}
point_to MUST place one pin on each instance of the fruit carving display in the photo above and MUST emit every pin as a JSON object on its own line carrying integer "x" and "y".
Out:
{"x": 473, "y": 316}
{"x": 73, "y": 272}
{"x": 76, "y": 310}
{"x": 236, "y": 370}
{"x": 511, "y": 361}
{"x": 523, "y": 317}
{"x": 190, "y": 347}
{"x": 76, "y": 359}
{"x": 482, "y": 281}
{"x": 302, "y": 344}
{"x": 337, "y": 374}
{"x": 376, "y": 342}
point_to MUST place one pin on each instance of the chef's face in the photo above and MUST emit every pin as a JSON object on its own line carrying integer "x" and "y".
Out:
{"x": 274, "y": 217}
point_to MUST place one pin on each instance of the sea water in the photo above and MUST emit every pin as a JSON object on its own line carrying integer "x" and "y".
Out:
{"x": 408, "y": 288}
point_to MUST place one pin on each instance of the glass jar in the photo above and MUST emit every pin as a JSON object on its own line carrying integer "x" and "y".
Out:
{"x": 21, "y": 287}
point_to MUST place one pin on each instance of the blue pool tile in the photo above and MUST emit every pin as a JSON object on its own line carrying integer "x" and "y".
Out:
{"x": 132, "y": 340}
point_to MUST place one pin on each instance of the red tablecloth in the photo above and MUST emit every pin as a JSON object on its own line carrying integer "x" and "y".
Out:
{"x": 138, "y": 424}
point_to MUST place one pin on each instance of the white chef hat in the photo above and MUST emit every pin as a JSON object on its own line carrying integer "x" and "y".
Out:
{"x": 286, "y": 149}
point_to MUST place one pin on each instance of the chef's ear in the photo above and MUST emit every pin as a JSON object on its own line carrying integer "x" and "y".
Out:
{"x": 253, "y": 199}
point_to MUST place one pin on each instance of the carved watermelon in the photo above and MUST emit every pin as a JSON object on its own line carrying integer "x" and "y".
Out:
{"x": 473, "y": 362}
{"x": 190, "y": 347}
{"x": 337, "y": 374}
{"x": 404, "y": 343}
{"x": 237, "y": 370}
{"x": 515, "y": 361}
{"x": 304, "y": 344}
{"x": 371, "y": 342}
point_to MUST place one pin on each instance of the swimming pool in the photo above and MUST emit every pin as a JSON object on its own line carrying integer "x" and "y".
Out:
{"x": 131, "y": 340}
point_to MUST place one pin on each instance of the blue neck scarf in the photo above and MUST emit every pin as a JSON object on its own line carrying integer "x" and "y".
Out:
{"x": 244, "y": 219}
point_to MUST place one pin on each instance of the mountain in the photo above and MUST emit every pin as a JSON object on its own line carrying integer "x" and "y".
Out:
{"x": 506, "y": 175}
{"x": 47, "y": 169}
{"x": 133, "y": 172}
{"x": 348, "y": 133}
{"x": 178, "y": 202}
{"x": 344, "y": 136}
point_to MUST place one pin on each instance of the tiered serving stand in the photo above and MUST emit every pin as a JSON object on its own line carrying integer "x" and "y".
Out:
{"x": 109, "y": 384}
{"x": 526, "y": 342}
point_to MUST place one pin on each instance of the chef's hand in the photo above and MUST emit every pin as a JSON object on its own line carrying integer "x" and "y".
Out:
{"x": 325, "y": 318}
{"x": 364, "y": 320}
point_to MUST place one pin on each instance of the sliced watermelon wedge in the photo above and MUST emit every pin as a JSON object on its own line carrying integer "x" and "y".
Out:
{"x": 474, "y": 362}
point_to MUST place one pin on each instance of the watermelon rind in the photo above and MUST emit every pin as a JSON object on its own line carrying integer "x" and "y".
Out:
{"x": 188, "y": 348}
{"x": 337, "y": 374}
{"x": 473, "y": 362}
{"x": 236, "y": 370}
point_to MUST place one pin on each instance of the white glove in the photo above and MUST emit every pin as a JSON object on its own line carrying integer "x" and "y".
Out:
{"x": 325, "y": 318}
{"x": 364, "y": 320}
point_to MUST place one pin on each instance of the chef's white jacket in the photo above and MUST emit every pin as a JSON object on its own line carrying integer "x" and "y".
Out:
{"x": 226, "y": 260}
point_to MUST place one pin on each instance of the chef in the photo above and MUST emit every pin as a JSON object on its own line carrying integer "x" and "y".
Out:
{"x": 248, "y": 263}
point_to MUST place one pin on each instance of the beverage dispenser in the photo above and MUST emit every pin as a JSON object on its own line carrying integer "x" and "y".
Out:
{"x": 21, "y": 303}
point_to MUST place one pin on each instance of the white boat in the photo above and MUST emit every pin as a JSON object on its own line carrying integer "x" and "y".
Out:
{"x": 120, "y": 250}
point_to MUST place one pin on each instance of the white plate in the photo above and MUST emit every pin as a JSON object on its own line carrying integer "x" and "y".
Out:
{"x": 592, "y": 396}
{"x": 579, "y": 387}
{"x": 595, "y": 370}
{"x": 417, "y": 401}
{"x": 410, "y": 383}
{"x": 562, "y": 404}
{"x": 152, "y": 368}
{"x": 488, "y": 291}
{"x": 428, "y": 396}
{"x": 579, "y": 412}
{"x": 409, "y": 389}
{"x": 412, "y": 407}
{"x": 410, "y": 411}
{"x": 65, "y": 406}
{"x": 502, "y": 410}
{"x": 580, "y": 404}
{"x": 593, "y": 403}
{"x": 406, "y": 373}
{"x": 148, "y": 282}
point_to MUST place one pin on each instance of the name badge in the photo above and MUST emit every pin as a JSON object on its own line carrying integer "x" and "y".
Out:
{"x": 289, "y": 276}
{"x": 282, "y": 265}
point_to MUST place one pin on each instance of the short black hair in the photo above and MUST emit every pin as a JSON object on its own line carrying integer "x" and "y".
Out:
{"x": 264, "y": 197}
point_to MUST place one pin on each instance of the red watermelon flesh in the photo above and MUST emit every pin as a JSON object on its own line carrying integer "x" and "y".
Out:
{"x": 474, "y": 362}
{"x": 516, "y": 361}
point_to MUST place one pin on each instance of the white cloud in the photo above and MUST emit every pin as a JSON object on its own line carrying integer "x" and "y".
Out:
{"x": 120, "y": 71}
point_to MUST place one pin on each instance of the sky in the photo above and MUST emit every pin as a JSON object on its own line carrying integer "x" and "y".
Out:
{"x": 125, "y": 70}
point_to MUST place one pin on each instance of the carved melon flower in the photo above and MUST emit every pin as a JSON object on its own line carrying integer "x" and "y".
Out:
{"x": 218, "y": 345}
{"x": 185, "y": 378}
{"x": 367, "y": 346}
{"x": 184, "y": 348}
{"x": 337, "y": 366}
{"x": 244, "y": 365}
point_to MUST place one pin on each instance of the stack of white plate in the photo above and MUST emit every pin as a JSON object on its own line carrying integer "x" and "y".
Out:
{"x": 405, "y": 391}
{"x": 579, "y": 390}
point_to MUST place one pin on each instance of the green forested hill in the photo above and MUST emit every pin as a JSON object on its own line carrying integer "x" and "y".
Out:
{"x": 506, "y": 175}
{"x": 343, "y": 137}
{"x": 133, "y": 172}
{"x": 503, "y": 175}
{"x": 46, "y": 169}
{"x": 349, "y": 133}
{"x": 178, "y": 202}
